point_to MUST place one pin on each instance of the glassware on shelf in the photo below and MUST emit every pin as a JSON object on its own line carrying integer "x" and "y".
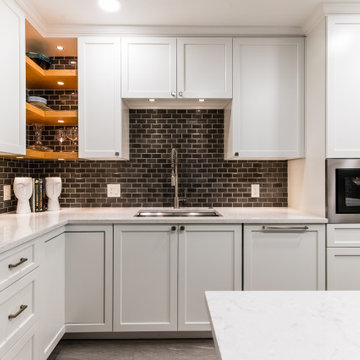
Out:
{"x": 60, "y": 136}
{"x": 38, "y": 129}
{"x": 72, "y": 135}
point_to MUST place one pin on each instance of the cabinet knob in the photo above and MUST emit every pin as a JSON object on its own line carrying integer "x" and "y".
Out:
{"x": 182, "y": 228}
{"x": 181, "y": 93}
{"x": 117, "y": 153}
{"x": 173, "y": 93}
{"x": 173, "y": 228}
{"x": 236, "y": 154}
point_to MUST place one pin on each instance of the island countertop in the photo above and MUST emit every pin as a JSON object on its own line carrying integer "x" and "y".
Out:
{"x": 283, "y": 325}
{"x": 16, "y": 229}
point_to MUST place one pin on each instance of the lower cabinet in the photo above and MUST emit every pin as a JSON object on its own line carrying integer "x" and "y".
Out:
{"x": 285, "y": 257}
{"x": 25, "y": 348}
{"x": 145, "y": 278}
{"x": 88, "y": 278}
{"x": 209, "y": 259}
{"x": 161, "y": 273}
{"x": 52, "y": 304}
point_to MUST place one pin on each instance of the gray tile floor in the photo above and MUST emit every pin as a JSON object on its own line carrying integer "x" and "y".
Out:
{"x": 199, "y": 349}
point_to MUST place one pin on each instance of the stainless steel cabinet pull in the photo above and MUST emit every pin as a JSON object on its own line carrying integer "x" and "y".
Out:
{"x": 22, "y": 260}
{"x": 22, "y": 308}
{"x": 284, "y": 228}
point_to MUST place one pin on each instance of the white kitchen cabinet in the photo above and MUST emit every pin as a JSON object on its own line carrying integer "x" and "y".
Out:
{"x": 145, "y": 278}
{"x": 204, "y": 67}
{"x": 343, "y": 268}
{"x": 284, "y": 257}
{"x": 103, "y": 118}
{"x": 12, "y": 75}
{"x": 209, "y": 259}
{"x": 53, "y": 294}
{"x": 343, "y": 86}
{"x": 88, "y": 278}
{"x": 168, "y": 67}
{"x": 266, "y": 118}
{"x": 149, "y": 67}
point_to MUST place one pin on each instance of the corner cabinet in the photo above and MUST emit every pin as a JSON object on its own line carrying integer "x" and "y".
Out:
{"x": 103, "y": 118}
{"x": 12, "y": 75}
{"x": 343, "y": 86}
{"x": 266, "y": 118}
{"x": 88, "y": 278}
{"x": 169, "y": 67}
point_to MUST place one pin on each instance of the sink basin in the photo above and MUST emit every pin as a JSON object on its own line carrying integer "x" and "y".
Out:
{"x": 177, "y": 213}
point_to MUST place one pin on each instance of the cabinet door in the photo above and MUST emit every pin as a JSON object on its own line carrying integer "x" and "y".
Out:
{"x": 209, "y": 259}
{"x": 204, "y": 67}
{"x": 53, "y": 294}
{"x": 343, "y": 268}
{"x": 284, "y": 258}
{"x": 267, "y": 114}
{"x": 25, "y": 348}
{"x": 88, "y": 278}
{"x": 149, "y": 67}
{"x": 12, "y": 75}
{"x": 343, "y": 87}
{"x": 103, "y": 119}
{"x": 145, "y": 278}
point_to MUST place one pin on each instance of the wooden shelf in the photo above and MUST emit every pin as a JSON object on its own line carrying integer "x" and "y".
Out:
{"x": 50, "y": 117}
{"x": 50, "y": 155}
{"x": 38, "y": 78}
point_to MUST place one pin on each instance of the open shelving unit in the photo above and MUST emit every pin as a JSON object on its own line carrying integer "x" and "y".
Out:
{"x": 51, "y": 155}
{"x": 38, "y": 78}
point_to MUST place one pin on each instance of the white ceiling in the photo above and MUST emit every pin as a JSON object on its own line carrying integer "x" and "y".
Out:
{"x": 287, "y": 13}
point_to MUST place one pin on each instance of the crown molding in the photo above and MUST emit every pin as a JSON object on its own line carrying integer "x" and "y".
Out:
{"x": 33, "y": 16}
{"x": 325, "y": 9}
{"x": 91, "y": 30}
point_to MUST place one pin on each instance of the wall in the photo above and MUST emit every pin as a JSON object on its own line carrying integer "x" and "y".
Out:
{"x": 145, "y": 179}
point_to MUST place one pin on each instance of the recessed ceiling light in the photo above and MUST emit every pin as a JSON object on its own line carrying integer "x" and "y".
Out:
{"x": 109, "y": 5}
{"x": 151, "y": 100}
{"x": 61, "y": 121}
{"x": 73, "y": 62}
{"x": 61, "y": 159}
{"x": 60, "y": 83}
{"x": 59, "y": 47}
{"x": 201, "y": 100}
{"x": 19, "y": 157}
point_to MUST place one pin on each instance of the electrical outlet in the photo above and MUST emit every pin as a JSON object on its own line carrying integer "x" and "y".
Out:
{"x": 255, "y": 190}
{"x": 113, "y": 190}
{"x": 7, "y": 192}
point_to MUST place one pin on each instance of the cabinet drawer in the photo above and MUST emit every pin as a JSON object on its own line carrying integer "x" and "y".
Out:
{"x": 17, "y": 262}
{"x": 343, "y": 235}
{"x": 17, "y": 310}
{"x": 24, "y": 349}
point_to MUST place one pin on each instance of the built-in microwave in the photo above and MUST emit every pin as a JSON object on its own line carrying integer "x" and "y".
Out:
{"x": 343, "y": 190}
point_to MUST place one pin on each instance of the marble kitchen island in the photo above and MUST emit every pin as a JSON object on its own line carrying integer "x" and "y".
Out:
{"x": 296, "y": 325}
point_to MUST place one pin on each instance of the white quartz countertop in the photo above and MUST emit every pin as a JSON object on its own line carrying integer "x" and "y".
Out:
{"x": 16, "y": 229}
{"x": 296, "y": 325}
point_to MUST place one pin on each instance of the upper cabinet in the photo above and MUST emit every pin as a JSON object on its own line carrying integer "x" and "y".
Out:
{"x": 149, "y": 67}
{"x": 163, "y": 67}
{"x": 343, "y": 86}
{"x": 266, "y": 119}
{"x": 204, "y": 68}
{"x": 103, "y": 119}
{"x": 12, "y": 75}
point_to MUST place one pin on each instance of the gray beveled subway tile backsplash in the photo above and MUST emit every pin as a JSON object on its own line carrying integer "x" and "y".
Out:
{"x": 145, "y": 180}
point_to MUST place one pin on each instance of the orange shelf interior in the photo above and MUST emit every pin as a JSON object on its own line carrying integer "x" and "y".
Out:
{"x": 38, "y": 78}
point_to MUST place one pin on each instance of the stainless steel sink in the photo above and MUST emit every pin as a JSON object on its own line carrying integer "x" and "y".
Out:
{"x": 178, "y": 213}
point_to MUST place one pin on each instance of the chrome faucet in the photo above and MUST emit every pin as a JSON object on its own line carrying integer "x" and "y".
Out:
{"x": 175, "y": 178}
